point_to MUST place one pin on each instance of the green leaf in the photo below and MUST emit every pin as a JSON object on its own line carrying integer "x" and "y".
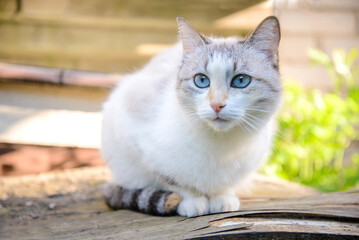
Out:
{"x": 316, "y": 129}
{"x": 352, "y": 56}
{"x": 318, "y": 57}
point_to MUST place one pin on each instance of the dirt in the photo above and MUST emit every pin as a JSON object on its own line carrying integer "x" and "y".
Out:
{"x": 24, "y": 159}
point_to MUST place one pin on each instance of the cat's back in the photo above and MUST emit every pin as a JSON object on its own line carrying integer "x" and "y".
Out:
{"x": 166, "y": 62}
{"x": 140, "y": 93}
{"x": 160, "y": 70}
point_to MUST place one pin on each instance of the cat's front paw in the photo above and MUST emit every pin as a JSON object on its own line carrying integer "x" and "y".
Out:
{"x": 191, "y": 207}
{"x": 224, "y": 203}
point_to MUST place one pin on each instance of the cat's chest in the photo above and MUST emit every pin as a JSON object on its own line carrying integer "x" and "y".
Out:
{"x": 201, "y": 161}
{"x": 198, "y": 163}
{"x": 205, "y": 171}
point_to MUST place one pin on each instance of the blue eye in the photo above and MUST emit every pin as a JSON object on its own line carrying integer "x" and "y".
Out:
{"x": 241, "y": 81}
{"x": 201, "y": 80}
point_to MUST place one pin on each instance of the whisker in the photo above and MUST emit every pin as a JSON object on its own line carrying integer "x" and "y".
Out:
{"x": 250, "y": 124}
{"x": 282, "y": 136}
{"x": 258, "y": 110}
{"x": 256, "y": 118}
{"x": 245, "y": 127}
{"x": 255, "y": 122}
{"x": 276, "y": 149}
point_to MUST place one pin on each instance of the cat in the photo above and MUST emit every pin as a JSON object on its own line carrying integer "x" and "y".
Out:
{"x": 179, "y": 134}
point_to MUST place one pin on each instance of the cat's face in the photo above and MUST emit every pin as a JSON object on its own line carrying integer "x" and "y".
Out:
{"x": 230, "y": 83}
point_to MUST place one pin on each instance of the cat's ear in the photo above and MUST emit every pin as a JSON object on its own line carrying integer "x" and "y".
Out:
{"x": 191, "y": 39}
{"x": 266, "y": 37}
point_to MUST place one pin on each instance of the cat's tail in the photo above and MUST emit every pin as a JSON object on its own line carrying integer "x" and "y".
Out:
{"x": 147, "y": 200}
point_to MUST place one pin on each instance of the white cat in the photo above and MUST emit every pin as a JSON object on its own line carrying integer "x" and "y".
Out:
{"x": 179, "y": 134}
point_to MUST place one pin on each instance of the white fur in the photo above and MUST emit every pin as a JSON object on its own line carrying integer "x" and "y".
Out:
{"x": 193, "y": 206}
{"x": 147, "y": 131}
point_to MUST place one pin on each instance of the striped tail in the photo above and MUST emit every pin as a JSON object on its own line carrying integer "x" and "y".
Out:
{"x": 147, "y": 200}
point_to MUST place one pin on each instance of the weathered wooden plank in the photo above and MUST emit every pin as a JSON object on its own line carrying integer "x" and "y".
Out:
{"x": 103, "y": 35}
{"x": 248, "y": 223}
{"x": 130, "y": 12}
{"x": 84, "y": 215}
{"x": 81, "y": 179}
{"x": 280, "y": 235}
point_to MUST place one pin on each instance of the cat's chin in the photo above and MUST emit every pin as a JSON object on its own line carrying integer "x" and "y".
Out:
{"x": 220, "y": 125}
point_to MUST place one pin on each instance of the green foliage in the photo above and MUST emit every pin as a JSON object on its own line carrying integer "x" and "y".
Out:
{"x": 315, "y": 129}
{"x": 343, "y": 68}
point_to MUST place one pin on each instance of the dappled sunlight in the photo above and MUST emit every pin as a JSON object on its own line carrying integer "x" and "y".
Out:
{"x": 247, "y": 18}
{"x": 150, "y": 49}
{"x": 53, "y": 127}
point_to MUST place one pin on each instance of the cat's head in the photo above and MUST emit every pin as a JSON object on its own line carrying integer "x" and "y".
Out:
{"x": 230, "y": 82}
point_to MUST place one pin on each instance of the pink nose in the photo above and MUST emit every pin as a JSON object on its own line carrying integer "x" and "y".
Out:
{"x": 217, "y": 107}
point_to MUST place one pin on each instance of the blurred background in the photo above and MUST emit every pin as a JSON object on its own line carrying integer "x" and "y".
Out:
{"x": 59, "y": 60}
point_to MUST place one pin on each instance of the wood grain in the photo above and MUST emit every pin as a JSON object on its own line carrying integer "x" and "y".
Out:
{"x": 82, "y": 214}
